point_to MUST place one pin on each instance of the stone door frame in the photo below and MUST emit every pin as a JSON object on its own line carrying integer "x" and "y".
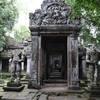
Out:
{"x": 71, "y": 32}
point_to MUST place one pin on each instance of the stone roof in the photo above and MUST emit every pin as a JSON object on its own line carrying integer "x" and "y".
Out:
{"x": 15, "y": 46}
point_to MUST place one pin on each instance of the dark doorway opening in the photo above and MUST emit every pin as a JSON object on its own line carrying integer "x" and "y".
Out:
{"x": 5, "y": 65}
{"x": 55, "y": 59}
{"x": 25, "y": 64}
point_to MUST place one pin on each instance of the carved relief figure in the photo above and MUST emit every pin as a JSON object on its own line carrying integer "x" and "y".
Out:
{"x": 15, "y": 67}
{"x": 91, "y": 64}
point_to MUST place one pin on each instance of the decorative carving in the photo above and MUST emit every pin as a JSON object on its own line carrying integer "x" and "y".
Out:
{"x": 56, "y": 14}
{"x": 91, "y": 59}
{"x": 35, "y": 19}
{"x": 15, "y": 67}
{"x": 53, "y": 12}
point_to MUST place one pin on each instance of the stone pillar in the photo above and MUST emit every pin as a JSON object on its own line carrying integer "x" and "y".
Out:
{"x": 22, "y": 66}
{"x": 72, "y": 60}
{"x": 97, "y": 68}
{"x": 39, "y": 60}
{"x": 28, "y": 70}
{"x": 84, "y": 67}
{"x": 0, "y": 65}
{"x": 35, "y": 57}
{"x": 22, "y": 63}
{"x": 98, "y": 74}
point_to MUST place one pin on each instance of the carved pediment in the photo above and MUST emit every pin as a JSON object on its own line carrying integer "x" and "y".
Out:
{"x": 52, "y": 12}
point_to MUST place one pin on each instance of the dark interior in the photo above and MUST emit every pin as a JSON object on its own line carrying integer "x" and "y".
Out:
{"x": 5, "y": 65}
{"x": 55, "y": 55}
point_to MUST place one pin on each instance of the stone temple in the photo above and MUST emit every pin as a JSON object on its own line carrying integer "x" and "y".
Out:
{"x": 52, "y": 54}
{"x": 54, "y": 44}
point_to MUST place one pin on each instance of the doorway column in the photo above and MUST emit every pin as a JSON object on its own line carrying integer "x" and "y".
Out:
{"x": 72, "y": 60}
{"x": 39, "y": 60}
{"x": 28, "y": 52}
{"x": 35, "y": 57}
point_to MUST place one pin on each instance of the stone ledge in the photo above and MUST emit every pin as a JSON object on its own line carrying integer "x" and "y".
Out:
{"x": 60, "y": 91}
{"x": 55, "y": 28}
{"x": 17, "y": 89}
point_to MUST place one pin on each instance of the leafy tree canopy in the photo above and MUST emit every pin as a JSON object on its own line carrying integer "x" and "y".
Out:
{"x": 21, "y": 32}
{"x": 8, "y": 13}
{"x": 89, "y": 11}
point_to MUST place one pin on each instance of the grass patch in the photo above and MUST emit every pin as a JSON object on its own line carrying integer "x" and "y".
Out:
{"x": 4, "y": 75}
{"x": 4, "y": 78}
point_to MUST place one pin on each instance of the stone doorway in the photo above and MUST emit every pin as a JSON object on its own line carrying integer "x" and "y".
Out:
{"x": 49, "y": 31}
{"x": 55, "y": 48}
{"x": 54, "y": 69}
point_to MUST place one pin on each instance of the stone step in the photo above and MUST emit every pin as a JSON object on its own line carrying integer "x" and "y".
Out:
{"x": 55, "y": 74}
{"x": 94, "y": 91}
{"x": 26, "y": 94}
{"x": 55, "y": 81}
{"x": 43, "y": 97}
{"x": 24, "y": 81}
{"x": 69, "y": 97}
{"x": 55, "y": 77}
{"x": 57, "y": 97}
{"x": 55, "y": 85}
{"x": 60, "y": 90}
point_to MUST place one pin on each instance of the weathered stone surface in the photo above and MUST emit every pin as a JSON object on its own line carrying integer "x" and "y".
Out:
{"x": 82, "y": 62}
{"x": 43, "y": 97}
{"x": 53, "y": 12}
{"x": 53, "y": 20}
{"x": 34, "y": 72}
{"x": 16, "y": 47}
{"x": 91, "y": 60}
{"x": 60, "y": 90}
{"x": 24, "y": 95}
{"x": 69, "y": 97}
{"x": 73, "y": 80}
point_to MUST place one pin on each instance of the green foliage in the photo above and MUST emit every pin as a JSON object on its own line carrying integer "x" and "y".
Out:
{"x": 8, "y": 13}
{"x": 21, "y": 32}
{"x": 89, "y": 11}
{"x": 5, "y": 75}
